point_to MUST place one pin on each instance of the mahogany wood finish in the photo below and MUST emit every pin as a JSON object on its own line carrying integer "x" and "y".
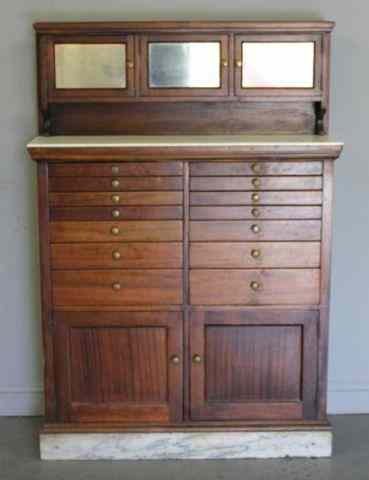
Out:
{"x": 185, "y": 287}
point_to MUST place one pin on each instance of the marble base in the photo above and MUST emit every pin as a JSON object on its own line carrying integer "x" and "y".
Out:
{"x": 185, "y": 445}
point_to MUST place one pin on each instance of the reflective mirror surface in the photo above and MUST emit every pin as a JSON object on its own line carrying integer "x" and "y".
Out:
{"x": 184, "y": 65}
{"x": 278, "y": 65}
{"x": 90, "y": 66}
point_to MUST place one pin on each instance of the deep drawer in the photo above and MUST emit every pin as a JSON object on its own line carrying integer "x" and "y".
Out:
{"x": 292, "y": 230}
{"x": 255, "y": 183}
{"x": 122, "y": 213}
{"x": 129, "y": 231}
{"x": 255, "y": 255}
{"x": 115, "y": 198}
{"x": 254, "y": 212}
{"x": 255, "y": 168}
{"x": 256, "y": 198}
{"x": 139, "y": 169}
{"x": 254, "y": 287}
{"x": 116, "y": 255}
{"x": 117, "y": 287}
{"x": 100, "y": 184}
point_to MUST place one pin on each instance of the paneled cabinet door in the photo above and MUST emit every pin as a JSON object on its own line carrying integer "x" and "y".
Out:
{"x": 278, "y": 65}
{"x": 184, "y": 65}
{"x": 119, "y": 366}
{"x": 259, "y": 365}
{"x": 91, "y": 68}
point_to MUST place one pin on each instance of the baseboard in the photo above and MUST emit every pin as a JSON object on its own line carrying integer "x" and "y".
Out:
{"x": 343, "y": 397}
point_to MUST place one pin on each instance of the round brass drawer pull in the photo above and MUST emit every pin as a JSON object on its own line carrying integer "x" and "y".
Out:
{"x": 115, "y": 183}
{"x": 130, "y": 64}
{"x": 115, "y": 213}
{"x": 255, "y": 197}
{"x": 255, "y": 253}
{"x": 255, "y": 228}
{"x": 239, "y": 63}
{"x": 256, "y": 167}
{"x": 116, "y": 255}
{"x": 255, "y": 212}
{"x": 174, "y": 359}
{"x": 196, "y": 359}
{"x": 256, "y": 182}
{"x": 115, "y": 198}
{"x": 116, "y": 286}
{"x": 115, "y": 170}
{"x": 115, "y": 231}
{"x": 255, "y": 286}
{"x": 225, "y": 63}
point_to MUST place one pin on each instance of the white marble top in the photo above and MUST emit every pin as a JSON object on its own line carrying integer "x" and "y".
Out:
{"x": 105, "y": 141}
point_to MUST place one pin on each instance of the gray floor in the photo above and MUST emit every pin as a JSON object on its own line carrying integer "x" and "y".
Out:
{"x": 19, "y": 459}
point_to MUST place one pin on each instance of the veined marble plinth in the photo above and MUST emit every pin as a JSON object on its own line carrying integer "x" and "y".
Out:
{"x": 185, "y": 445}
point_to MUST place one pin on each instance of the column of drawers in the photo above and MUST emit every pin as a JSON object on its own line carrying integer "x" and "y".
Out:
{"x": 116, "y": 233}
{"x": 255, "y": 230}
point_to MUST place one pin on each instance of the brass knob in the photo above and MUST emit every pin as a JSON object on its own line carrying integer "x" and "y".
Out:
{"x": 256, "y": 167}
{"x": 115, "y": 213}
{"x": 255, "y": 286}
{"x": 116, "y": 286}
{"x": 130, "y": 64}
{"x": 256, "y": 182}
{"x": 174, "y": 359}
{"x": 239, "y": 63}
{"x": 225, "y": 63}
{"x": 115, "y": 170}
{"x": 196, "y": 359}
{"x": 255, "y": 253}
{"x": 115, "y": 183}
{"x": 255, "y": 197}
{"x": 115, "y": 198}
{"x": 255, "y": 212}
{"x": 115, "y": 230}
{"x": 116, "y": 255}
{"x": 255, "y": 228}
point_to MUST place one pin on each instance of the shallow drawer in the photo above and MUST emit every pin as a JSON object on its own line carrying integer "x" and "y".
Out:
{"x": 256, "y": 198}
{"x": 254, "y": 212}
{"x": 117, "y": 287}
{"x": 116, "y": 255}
{"x": 138, "y": 169}
{"x": 110, "y": 213}
{"x": 254, "y": 287}
{"x": 255, "y": 255}
{"x": 130, "y": 231}
{"x": 255, "y": 168}
{"x": 96, "y": 184}
{"x": 255, "y": 183}
{"x": 289, "y": 230}
{"x": 118, "y": 198}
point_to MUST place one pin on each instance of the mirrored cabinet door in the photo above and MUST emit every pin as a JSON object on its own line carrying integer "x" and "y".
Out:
{"x": 185, "y": 65}
{"x": 282, "y": 65}
{"x": 98, "y": 66}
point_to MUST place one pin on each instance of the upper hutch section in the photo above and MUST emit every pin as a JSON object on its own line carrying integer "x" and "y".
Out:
{"x": 183, "y": 77}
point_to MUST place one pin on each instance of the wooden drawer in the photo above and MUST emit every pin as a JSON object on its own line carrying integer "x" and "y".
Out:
{"x": 255, "y": 255}
{"x": 116, "y": 255}
{"x": 255, "y": 212}
{"x": 101, "y": 184}
{"x": 100, "y": 288}
{"x": 267, "y": 230}
{"x": 135, "y": 169}
{"x": 256, "y": 198}
{"x": 116, "y": 198}
{"x": 234, "y": 287}
{"x": 255, "y": 168}
{"x": 255, "y": 183}
{"x": 111, "y": 213}
{"x": 129, "y": 231}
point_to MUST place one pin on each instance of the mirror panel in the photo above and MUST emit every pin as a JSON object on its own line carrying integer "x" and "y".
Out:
{"x": 278, "y": 65}
{"x": 184, "y": 64}
{"x": 90, "y": 66}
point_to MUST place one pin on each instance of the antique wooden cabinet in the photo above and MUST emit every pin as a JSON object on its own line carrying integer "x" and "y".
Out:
{"x": 185, "y": 206}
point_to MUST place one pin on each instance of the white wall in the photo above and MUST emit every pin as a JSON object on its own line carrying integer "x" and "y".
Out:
{"x": 20, "y": 345}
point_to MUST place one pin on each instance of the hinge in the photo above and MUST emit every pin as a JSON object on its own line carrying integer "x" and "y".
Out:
{"x": 46, "y": 124}
{"x": 51, "y": 322}
{"x": 320, "y": 112}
